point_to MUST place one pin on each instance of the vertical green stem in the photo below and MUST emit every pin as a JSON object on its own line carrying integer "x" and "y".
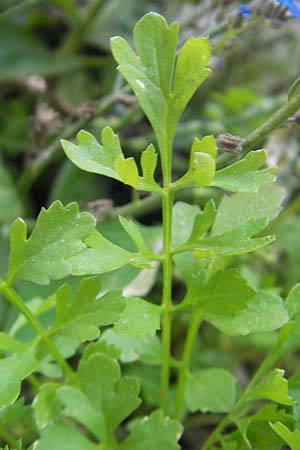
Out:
{"x": 167, "y": 205}
{"x": 11, "y": 295}
{"x": 186, "y": 359}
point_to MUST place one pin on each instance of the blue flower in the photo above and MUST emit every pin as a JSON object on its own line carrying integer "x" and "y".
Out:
{"x": 244, "y": 10}
{"x": 292, "y": 6}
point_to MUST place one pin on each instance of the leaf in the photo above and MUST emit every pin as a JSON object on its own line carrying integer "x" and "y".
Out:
{"x": 105, "y": 399}
{"x": 132, "y": 229}
{"x": 182, "y": 223}
{"x": 148, "y": 164}
{"x": 294, "y": 89}
{"x": 237, "y": 241}
{"x": 46, "y": 404}
{"x": 293, "y": 301}
{"x": 139, "y": 318}
{"x": 101, "y": 256}
{"x": 264, "y": 312}
{"x": 210, "y": 390}
{"x": 239, "y": 208}
{"x": 224, "y": 294}
{"x": 14, "y": 368}
{"x": 146, "y": 349}
{"x": 155, "y": 432}
{"x": 202, "y": 222}
{"x": 202, "y": 164}
{"x": 150, "y": 73}
{"x": 62, "y": 436}
{"x": 243, "y": 175}
{"x": 57, "y": 236}
{"x": 106, "y": 159}
{"x": 127, "y": 169}
{"x": 292, "y": 438}
{"x": 273, "y": 387}
{"x": 80, "y": 319}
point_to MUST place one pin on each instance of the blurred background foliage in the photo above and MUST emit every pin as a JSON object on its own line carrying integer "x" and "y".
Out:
{"x": 57, "y": 75}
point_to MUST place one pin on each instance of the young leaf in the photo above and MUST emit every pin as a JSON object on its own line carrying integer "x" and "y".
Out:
{"x": 202, "y": 222}
{"x": 150, "y": 73}
{"x": 80, "y": 319}
{"x": 210, "y": 390}
{"x": 292, "y": 438}
{"x": 274, "y": 387}
{"x": 57, "y": 236}
{"x": 264, "y": 312}
{"x": 139, "y": 318}
{"x": 224, "y": 294}
{"x": 127, "y": 170}
{"x": 62, "y": 436}
{"x": 135, "y": 234}
{"x": 239, "y": 208}
{"x": 155, "y": 432}
{"x": 105, "y": 399}
{"x": 243, "y": 175}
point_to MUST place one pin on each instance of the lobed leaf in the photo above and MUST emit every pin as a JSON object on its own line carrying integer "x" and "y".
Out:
{"x": 81, "y": 318}
{"x": 155, "y": 432}
{"x": 58, "y": 236}
{"x": 274, "y": 387}
{"x": 244, "y": 176}
{"x": 292, "y": 438}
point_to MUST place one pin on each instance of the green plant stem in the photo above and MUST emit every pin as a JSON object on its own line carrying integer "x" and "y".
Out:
{"x": 240, "y": 406}
{"x": 78, "y": 33}
{"x": 167, "y": 205}
{"x": 186, "y": 359}
{"x": 257, "y": 136}
{"x": 9, "y": 13}
{"x": 11, "y": 296}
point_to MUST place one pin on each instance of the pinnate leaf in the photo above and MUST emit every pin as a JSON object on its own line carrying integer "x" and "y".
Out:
{"x": 155, "y": 432}
{"x": 81, "y": 318}
{"x": 57, "y": 236}
{"x": 210, "y": 390}
{"x": 244, "y": 176}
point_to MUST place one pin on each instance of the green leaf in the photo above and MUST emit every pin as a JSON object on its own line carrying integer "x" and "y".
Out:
{"x": 46, "y": 404}
{"x": 264, "y": 312}
{"x": 127, "y": 170}
{"x": 239, "y": 208}
{"x": 202, "y": 222}
{"x": 62, "y": 436}
{"x": 150, "y": 73}
{"x": 294, "y": 89}
{"x": 146, "y": 349}
{"x": 101, "y": 256}
{"x": 148, "y": 164}
{"x": 139, "y": 318}
{"x": 183, "y": 222}
{"x": 210, "y": 390}
{"x": 57, "y": 236}
{"x": 80, "y": 319}
{"x": 243, "y": 175}
{"x": 132, "y": 229}
{"x": 106, "y": 159}
{"x": 292, "y": 438}
{"x": 224, "y": 294}
{"x": 293, "y": 301}
{"x": 105, "y": 399}
{"x": 155, "y": 432}
{"x": 14, "y": 368}
{"x": 274, "y": 387}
